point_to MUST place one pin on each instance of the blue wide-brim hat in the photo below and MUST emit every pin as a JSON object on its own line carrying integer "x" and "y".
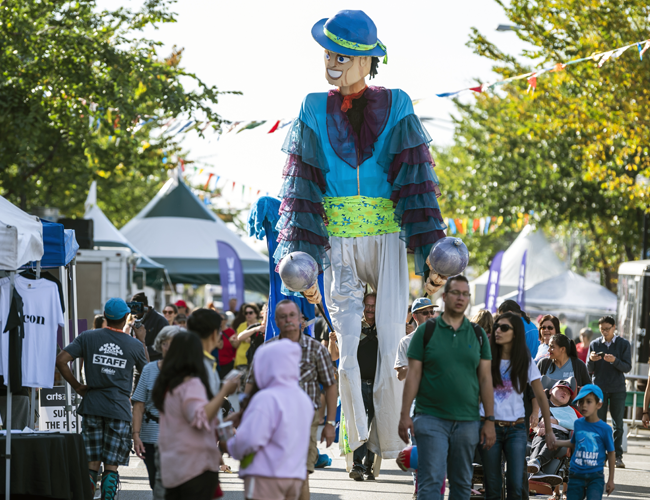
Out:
{"x": 350, "y": 33}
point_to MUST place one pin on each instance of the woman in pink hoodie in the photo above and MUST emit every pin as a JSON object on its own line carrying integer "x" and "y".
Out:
{"x": 273, "y": 437}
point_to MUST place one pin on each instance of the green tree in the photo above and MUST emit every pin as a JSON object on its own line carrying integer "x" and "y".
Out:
{"x": 80, "y": 93}
{"x": 571, "y": 153}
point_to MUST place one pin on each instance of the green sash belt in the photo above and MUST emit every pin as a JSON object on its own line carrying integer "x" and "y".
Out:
{"x": 355, "y": 216}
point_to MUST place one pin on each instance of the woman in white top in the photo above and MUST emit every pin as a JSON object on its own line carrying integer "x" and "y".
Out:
{"x": 512, "y": 370}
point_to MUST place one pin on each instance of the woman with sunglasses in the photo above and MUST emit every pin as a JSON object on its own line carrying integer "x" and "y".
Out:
{"x": 247, "y": 319}
{"x": 512, "y": 371}
{"x": 548, "y": 326}
{"x": 170, "y": 312}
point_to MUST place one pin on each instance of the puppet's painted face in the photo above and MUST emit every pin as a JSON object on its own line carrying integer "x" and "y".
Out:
{"x": 343, "y": 71}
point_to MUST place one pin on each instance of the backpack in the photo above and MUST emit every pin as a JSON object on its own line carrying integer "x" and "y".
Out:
{"x": 430, "y": 327}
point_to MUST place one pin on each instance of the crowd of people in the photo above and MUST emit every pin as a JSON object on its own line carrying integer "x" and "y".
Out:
{"x": 473, "y": 391}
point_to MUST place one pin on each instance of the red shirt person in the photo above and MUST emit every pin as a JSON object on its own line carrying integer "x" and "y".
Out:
{"x": 228, "y": 351}
{"x": 583, "y": 347}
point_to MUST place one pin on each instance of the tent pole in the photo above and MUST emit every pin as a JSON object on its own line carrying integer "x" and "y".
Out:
{"x": 12, "y": 277}
{"x": 32, "y": 391}
{"x": 75, "y": 326}
{"x": 63, "y": 274}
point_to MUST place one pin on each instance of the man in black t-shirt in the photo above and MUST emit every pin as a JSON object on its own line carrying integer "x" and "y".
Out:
{"x": 111, "y": 357}
{"x": 367, "y": 357}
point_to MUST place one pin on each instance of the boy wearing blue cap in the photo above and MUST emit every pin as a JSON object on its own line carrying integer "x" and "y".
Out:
{"x": 592, "y": 440}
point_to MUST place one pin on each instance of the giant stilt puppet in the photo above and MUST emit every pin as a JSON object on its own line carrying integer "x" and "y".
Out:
{"x": 359, "y": 193}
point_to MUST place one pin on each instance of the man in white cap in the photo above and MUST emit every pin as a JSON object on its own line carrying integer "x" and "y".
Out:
{"x": 422, "y": 310}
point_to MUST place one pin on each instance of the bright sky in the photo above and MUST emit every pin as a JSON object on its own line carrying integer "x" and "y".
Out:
{"x": 265, "y": 49}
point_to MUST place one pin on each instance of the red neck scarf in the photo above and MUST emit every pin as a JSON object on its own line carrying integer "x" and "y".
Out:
{"x": 347, "y": 99}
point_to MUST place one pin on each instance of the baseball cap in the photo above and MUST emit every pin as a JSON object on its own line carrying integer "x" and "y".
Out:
{"x": 568, "y": 384}
{"x": 590, "y": 389}
{"x": 421, "y": 303}
{"x": 180, "y": 303}
{"x": 115, "y": 309}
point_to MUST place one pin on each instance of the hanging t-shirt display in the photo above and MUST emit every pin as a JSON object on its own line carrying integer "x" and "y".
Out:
{"x": 42, "y": 315}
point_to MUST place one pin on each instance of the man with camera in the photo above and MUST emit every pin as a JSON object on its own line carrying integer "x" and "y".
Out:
{"x": 152, "y": 320}
{"x": 110, "y": 357}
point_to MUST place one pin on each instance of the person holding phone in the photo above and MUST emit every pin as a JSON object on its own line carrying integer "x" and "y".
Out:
{"x": 609, "y": 360}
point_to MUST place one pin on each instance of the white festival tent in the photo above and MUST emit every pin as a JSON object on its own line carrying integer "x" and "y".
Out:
{"x": 21, "y": 235}
{"x": 541, "y": 264}
{"x": 570, "y": 293}
{"x": 179, "y": 232}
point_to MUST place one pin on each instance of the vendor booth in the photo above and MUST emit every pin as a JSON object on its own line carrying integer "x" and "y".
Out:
{"x": 36, "y": 306}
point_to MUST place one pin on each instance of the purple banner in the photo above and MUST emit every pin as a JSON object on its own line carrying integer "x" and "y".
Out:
{"x": 231, "y": 274}
{"x": 492, "y": 289}
{"x": 521, "y": 294}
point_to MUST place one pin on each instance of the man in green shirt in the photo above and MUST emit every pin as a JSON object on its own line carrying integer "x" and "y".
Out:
{"x": 447, "y": 376}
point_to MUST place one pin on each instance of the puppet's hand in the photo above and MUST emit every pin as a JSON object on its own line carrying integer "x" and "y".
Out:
{"x": 313, "y": 294}
{"x": 435, "y": 281}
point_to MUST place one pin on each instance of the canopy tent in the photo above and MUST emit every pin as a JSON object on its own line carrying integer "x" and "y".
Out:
{"x": 60, "y": 245}
{"x": 568, "y": 292}
{"x": 107, "y": 235}
{"x": 541, "y": 264}
{"x": 178, "y": 231}
{"x": 21, "y": 235}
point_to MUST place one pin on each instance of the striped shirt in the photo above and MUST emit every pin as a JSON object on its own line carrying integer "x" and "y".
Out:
{"x": 316, "y": 368}
{"x": 149, "y": 429}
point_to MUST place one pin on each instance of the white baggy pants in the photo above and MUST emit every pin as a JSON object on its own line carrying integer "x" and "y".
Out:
{"x": 379, "y": 261}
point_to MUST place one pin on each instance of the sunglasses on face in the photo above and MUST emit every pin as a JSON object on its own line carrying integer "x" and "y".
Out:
{"x": 503, "y": 327}
{"x": 547, "y": 328}
{"x": 424, "y": 313}
{"x": 168, "y": 312}
{"x": 249, "y": 313}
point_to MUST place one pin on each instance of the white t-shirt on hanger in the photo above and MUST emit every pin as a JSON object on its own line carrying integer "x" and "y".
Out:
{"x": 43, "y": 316}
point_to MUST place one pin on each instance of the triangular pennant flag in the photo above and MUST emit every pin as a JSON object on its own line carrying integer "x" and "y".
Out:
{"x": 480, "y": 88}
{"x": 275, "y": 127}
{"x": 233, "y": 185}
{"x": 208, "y": 182}
{"x": 604, "y": 57}
{"x": 645, "y": 47}
{"x": 532, "y": 83}
{"x": 558, "y": 67}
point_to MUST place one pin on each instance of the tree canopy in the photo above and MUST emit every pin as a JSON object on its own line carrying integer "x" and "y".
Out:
{"x": 574, "y": 154}
{"x": 81, "y": 91}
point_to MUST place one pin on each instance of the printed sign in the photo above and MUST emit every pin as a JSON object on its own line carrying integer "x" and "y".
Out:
{"x": 52, "y": 413}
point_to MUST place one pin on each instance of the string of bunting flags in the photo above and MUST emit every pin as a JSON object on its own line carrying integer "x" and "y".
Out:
{"x": 485, "y": 225}
{"x": 599, "y": 57}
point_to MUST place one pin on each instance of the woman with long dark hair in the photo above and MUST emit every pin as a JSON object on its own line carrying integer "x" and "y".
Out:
{"x": 563, "y": 361}
{"x": 189, "y": 455}
{"x": 512, "y": 370}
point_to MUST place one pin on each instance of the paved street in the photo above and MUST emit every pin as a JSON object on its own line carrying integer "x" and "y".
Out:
{"x": 333, "y": 483}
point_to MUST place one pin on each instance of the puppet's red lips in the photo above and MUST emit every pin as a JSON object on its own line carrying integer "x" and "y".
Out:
{"x": 334, "y": 74}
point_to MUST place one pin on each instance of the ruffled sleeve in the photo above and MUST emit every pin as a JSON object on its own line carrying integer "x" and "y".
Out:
{"x": 302, "y": 223}
{"x": 408, "y": 164}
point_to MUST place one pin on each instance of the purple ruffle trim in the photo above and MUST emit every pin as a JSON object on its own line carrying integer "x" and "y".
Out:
{"x": 297, "y": 234}
{"x": 349, "y": 147}
{"x": 413, "y": 189}
{"x": 420, "y": 215}
{"x": 295, "y": 167}
{"x": 410, "y": 156}
{"x": 297, "y": 205}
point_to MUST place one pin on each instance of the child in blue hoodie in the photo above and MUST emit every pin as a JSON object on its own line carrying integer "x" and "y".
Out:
{"x": 592, "y": 442}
